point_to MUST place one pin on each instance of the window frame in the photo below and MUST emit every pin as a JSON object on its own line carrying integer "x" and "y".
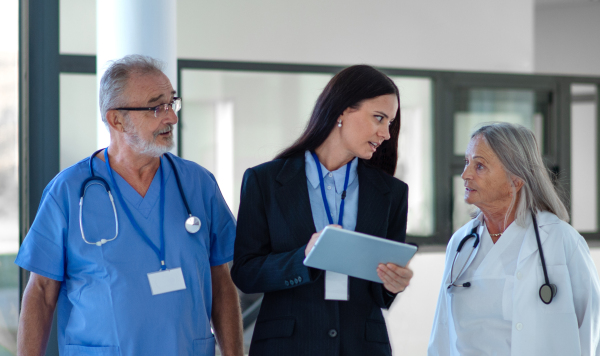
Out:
{"x": 444, "y": 83}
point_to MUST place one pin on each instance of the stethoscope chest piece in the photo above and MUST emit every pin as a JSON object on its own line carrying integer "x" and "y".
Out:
{"x": 547, "y": 293}
{"x": 192, "y": 224}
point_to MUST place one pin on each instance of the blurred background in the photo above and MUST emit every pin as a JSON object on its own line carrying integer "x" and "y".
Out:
{"x": 249, "y": 73}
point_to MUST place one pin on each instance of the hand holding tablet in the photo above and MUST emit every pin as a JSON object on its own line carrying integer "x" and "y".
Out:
{"x": 395, "y": 278}
{"x": 314, "y": 238}
{"x": 360, "y": 255}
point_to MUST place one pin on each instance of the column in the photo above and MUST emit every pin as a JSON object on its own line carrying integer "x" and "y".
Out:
{"x": 146, "y": 27}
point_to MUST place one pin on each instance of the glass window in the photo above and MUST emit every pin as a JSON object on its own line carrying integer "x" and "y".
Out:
{"x": 235, "y": 120}
{"x": 461, "y": 211}
{"x": 77, "y": 27}
{"x": 476, "y": 107}
{"x": 584, "y": 157}
{"x": 231, "y": 121}
{"x": 78, "y": 114}
{"x": 415, "y": 152}
{"x": 9, "y": 183}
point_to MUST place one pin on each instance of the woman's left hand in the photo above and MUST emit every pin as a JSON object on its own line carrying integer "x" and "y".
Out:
{"x": 395, "y": 278}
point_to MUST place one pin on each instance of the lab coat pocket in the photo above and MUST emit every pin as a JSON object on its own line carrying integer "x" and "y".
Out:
{"x": 204, "y": 346}
{"x": 78, "y": 350}
{"x": 507, "y": 298}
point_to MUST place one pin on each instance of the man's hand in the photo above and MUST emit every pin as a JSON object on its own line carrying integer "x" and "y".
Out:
{"x": 226, "y": 314}
{"x": 39, "y": 302}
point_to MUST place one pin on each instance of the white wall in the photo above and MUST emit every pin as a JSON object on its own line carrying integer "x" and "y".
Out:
{"x": 567, "y": 38}
{"x": 474, "y": 35}
{"x": 477, "y": 35}
{"x": 500, "y": 36}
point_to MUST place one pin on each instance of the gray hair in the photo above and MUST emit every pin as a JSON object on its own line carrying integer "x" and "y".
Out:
{"x": 114, "y": 80}
{"x": 517, "y": 149}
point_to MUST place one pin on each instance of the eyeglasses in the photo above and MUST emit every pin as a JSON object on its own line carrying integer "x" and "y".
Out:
{"x": 161, "y": 110}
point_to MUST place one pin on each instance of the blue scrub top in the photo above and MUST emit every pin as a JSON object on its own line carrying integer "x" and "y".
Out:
{"x": 105, "y": 305}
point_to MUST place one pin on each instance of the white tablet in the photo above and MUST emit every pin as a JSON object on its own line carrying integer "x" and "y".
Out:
{"x": 356, "y": 254}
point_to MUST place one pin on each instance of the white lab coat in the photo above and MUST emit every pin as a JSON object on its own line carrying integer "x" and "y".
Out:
{"x": 570, "y": 325}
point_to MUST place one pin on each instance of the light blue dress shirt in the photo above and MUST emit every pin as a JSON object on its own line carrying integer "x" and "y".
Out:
{"x": 334, "y": 186}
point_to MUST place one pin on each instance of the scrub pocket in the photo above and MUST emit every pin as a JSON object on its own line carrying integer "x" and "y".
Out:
{"x": 77, "y": 350}
{"x": 204, "y": 347}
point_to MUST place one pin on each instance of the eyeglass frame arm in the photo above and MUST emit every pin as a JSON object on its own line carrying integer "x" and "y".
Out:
{"x": 152, "y": 108}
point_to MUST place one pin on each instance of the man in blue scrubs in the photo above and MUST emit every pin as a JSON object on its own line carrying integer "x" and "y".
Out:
{"x": 153, "y": 288}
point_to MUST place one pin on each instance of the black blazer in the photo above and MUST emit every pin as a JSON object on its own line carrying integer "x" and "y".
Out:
{"x": 274, "y": 225}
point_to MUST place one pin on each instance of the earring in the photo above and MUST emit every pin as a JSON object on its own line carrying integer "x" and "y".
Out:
{"x": 340, "y": 123}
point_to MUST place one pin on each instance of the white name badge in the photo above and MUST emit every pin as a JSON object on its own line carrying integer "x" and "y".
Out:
{"x": 336, "y": 286}
{"x": 166, "y": 281}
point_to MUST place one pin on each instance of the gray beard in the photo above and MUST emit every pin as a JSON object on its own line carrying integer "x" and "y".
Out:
{"x": 146, "y": 147}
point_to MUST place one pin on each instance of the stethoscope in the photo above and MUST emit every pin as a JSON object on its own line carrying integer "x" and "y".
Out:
{"x": 547, "y": 290}
{"x": 192, "y": 223}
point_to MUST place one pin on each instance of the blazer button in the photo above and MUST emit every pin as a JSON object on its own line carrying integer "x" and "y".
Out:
{"x": 291, "y": 282}
{"x": 287, "y": 283}
{"x": 296, "y": 281}
{"x": 299, "y": 279}
{"x": 332, "y": 333}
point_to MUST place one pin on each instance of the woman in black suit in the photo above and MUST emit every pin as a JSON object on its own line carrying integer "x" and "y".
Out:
{"x": 351, "y": 138}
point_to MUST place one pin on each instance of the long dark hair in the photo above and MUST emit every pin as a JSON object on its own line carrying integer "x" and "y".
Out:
{"x": 348, "y": 89}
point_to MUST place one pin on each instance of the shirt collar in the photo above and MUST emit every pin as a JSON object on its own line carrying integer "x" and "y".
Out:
{"x": 339, "y": 175}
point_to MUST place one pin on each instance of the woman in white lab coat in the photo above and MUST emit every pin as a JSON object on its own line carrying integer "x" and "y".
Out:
{"x": 497, "y": 296}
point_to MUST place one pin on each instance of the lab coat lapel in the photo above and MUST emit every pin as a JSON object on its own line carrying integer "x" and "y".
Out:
{"x": 292, "y": 198}
{"x": 373, "y": 201}
{"x": 465, "y": 251}
{"x": 530, "y": 245}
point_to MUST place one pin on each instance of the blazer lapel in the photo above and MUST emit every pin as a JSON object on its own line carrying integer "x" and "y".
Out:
{"x": 373, "y": 201}
{"x": 292, "y": 198}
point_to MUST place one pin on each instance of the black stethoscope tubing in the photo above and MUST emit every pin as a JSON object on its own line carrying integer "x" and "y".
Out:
{"x": 547, "y": 290}
{"x": 458, "y": 249}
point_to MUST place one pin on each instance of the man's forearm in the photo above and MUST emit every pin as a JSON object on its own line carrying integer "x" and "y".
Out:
{"x": 226, "y": 315}
{"x": 39, "y": 302}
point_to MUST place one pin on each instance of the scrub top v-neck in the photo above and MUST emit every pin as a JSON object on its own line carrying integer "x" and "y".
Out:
{"x": 159, "y": 248}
